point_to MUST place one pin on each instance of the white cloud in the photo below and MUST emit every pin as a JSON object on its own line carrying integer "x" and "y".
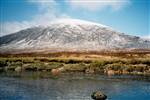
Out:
{"x": 44, "y": 4}
{"x": 43, "y": 19}
{"x": 147, "y": 37}
{"x": 47, "y": 13}
{"x": 11, "y": 27}
{"x": 94, "y": 5}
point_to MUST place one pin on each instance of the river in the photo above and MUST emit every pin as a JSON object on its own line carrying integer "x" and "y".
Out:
{"x": 72, "y": 86}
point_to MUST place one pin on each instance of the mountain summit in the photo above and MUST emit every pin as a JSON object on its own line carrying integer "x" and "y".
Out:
{"x": 71, "y": 34}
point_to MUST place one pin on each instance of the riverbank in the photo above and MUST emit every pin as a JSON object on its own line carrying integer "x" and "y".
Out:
{"x": 56, "y": 63}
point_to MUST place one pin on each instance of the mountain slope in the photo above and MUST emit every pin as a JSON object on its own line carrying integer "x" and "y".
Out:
{"x": 72, "y": 34}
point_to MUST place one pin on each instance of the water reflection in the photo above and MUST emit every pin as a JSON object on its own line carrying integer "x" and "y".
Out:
{"x": 72, "y": 87}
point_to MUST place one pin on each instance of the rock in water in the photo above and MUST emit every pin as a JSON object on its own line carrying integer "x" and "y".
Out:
{"x": 98, "y": 95}
{"x": 18, "y": 69}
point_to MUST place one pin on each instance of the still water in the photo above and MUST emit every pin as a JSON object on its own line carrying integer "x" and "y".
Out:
{"x": 72, "y": 86}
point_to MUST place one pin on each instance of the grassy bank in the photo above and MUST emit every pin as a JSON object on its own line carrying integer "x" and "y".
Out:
{"x": 126, "y": 63}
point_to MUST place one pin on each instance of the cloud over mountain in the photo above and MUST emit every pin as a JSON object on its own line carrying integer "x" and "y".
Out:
{"x": 94, "y": 5}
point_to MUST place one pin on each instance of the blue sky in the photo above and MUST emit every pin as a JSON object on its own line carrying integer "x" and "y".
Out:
{"x": 128, "y": 16}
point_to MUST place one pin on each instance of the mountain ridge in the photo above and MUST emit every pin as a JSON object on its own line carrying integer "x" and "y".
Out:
{"x": 71, "y": 34}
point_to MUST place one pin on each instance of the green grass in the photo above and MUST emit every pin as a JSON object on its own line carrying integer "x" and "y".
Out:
{"x": 76, "y": 64}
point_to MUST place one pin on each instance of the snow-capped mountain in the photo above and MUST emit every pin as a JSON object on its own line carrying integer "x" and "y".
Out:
{"x": 71, "y": 34}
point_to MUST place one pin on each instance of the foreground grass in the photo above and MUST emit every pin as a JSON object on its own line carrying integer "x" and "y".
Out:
{"x": 88, "y": 63}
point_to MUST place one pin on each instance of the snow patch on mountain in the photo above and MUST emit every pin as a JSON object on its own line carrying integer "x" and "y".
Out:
{"x": 72, "y": 34}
